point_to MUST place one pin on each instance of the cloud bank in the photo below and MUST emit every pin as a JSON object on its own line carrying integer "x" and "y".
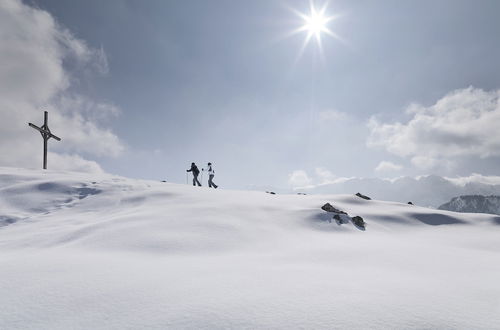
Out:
{"x": 38, "y": 60}
{"x": 427, "y": 190}
{"x": 464, "y": 123}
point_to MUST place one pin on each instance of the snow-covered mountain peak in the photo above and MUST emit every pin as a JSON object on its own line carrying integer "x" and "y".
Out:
{"x": 473, "y": 204}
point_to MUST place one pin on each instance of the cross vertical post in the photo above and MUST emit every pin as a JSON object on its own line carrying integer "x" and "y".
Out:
{"x": 45, "y": 138}
{"x": 46, "y": 135}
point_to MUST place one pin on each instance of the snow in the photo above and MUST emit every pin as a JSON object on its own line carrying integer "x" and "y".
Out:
{"x": 82, "y": 251}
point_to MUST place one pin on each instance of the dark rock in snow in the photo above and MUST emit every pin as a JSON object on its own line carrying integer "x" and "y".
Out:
{"x": 358, "y": 221}
{"x": 410, "y": 203}
{"x": 271, "y": 192}
{"x": 329, "y": 208}
{"x": 341, "y": 217}
{"x": 363, "y": 196}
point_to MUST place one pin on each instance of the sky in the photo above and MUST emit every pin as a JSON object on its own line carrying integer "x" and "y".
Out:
{"x": 144, "y": 88}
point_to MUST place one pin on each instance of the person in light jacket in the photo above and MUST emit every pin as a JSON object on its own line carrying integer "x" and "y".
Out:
{"x": 194, "y": 169}
{"x": 211, "y": 174}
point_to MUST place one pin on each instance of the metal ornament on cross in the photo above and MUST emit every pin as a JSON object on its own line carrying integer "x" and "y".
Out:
{"x": 46, "y": 135}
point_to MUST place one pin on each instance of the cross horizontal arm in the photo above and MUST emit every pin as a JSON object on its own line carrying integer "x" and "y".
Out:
{"x": 55, "y": 137}
{"x": 38, "y": 128}
{"x": 47, "y": 133}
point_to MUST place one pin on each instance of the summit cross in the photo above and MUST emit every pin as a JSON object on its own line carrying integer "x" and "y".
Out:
{"x": 46, "y": 135}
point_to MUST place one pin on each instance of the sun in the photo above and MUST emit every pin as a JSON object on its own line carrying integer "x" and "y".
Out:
{"x": 315, "y": 24}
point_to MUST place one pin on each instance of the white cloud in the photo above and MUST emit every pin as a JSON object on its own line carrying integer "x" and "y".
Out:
{"x": 475, "y": 178}
{"x": 299, "y": 178}
{"x": 324, "y": 175}
{"x": 385, "y": 166}
{"x": 34, "y": 56}
{"x": 464, "y": 123}
{"x": 81, "y": 127}
{"x": 65, "y": 162}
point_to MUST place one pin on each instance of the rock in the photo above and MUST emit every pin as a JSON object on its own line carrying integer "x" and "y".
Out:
{"x": 329, "y": 208}
{"x": 358, "y": 221}
{"x": 363, "y": 196}
{"x": 271, "y": 192}
{"x": 342, "y": 217}
{"x": 410, "y": 203}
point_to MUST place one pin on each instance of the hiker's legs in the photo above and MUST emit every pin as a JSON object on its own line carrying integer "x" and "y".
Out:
{"x": 195, "y": 180}
{"x": 210, "y": 182}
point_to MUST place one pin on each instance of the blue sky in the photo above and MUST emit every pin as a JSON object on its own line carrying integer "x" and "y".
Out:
{"x": 221, "y": 81}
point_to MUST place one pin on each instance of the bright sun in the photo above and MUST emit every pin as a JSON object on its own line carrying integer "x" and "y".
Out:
{"x": 315, "y": 23}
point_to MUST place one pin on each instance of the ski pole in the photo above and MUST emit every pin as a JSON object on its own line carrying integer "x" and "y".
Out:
{"x": 186, "y": 177}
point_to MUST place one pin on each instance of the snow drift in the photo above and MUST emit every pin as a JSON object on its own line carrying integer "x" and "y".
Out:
{"x": 88, "y": 251}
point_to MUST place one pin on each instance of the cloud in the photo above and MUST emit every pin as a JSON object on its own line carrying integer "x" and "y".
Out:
{"x": 324, "y": 175}
{"x": 299, "y": 178}
{"x": 385, "y": 166}
{"x": 38, "y": 60}
{"x": 475, "y": 178}
{"x": 79, "y": 120}
{"x": 66, "y": 162}
{"x": 464, "y": 123}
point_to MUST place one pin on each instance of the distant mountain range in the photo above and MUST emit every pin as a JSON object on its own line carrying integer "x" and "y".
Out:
{"x": 428, "y": 191}
{"x": 473, "y": 204}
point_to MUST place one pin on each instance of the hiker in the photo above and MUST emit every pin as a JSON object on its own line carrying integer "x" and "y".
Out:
{"x": 211, "y": 174}
{"x": 194, "y": 169}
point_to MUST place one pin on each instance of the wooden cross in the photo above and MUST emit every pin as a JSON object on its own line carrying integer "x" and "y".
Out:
{"x": 46, "y": 135}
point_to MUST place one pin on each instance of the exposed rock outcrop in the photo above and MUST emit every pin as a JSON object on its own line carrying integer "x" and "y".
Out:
{"x": 330, "y": 208}
{"x": 363, "y": 196}
{"x": 342, "y": 217}
{"x": 358, "y": 221}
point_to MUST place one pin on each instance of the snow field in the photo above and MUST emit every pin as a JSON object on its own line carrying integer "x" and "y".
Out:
{"x": 105, "y": 252}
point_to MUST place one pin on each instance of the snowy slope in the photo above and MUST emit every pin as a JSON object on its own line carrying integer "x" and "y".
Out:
{"x": 473, "y": 204}
{"x": 104, "y": 252}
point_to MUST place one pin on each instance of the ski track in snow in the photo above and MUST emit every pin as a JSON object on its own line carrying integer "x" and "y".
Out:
{"x": 81, "y": 251}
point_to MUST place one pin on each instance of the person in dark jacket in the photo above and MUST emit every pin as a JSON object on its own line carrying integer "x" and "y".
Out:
{"x": 194, "y": 169}
{"x": 211, "y": 174}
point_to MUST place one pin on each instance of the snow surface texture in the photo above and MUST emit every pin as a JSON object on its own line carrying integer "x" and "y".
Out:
{"x": 473, "y": 204}
{"x": 105, "y": 252}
